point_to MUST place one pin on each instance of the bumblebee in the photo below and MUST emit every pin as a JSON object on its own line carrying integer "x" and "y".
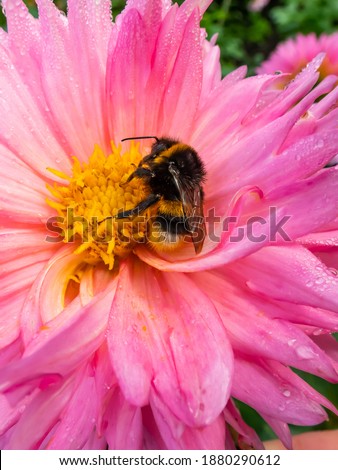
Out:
{"x": 173, "y": 173}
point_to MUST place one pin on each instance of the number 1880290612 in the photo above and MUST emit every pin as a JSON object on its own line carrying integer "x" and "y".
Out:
{"x": 240, "y": 459}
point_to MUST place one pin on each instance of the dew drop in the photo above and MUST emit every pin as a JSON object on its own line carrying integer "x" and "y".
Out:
{"x": 304, "y": 352}
{"x": 317, "y": 331}
{"x": 286, "y": 393}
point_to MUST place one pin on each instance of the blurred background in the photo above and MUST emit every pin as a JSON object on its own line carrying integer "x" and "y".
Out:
{"x": 248, "y": 31}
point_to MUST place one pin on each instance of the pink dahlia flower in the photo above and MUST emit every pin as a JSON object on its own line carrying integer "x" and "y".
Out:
{"x": 110, "y": 343}
{"x": 293, "y": 55}
{"x": 257, "y": 5}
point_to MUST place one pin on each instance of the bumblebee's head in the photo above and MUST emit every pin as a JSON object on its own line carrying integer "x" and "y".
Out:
{"x": 187, "y": 162}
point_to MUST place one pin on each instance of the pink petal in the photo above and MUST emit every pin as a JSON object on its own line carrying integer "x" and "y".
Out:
{"x": 13, "y": 404}
{"x": 213, "y": 128}
{"x": 281, "y": 430}
{"x": 156, "y": 337}
{"x": 63, "y": 343}
{"x": 47, "y": 297}
{"x": 124, "y": 428}
{"x": 212, "y": 73}
{"x": 178, "y": 436}
{"x": 328, "y": 344}
{"x": 69, "y": 101}
{"x": 312, "y": 282}
{"x": 11, "y": 352}
{"x": 168, "y": 103}
{"x": 95, "y": 442}
{"x": 277, "y": 392}
{"x": 89, "y": 29}
{"x": 291, "y": 94}
{"x": 323, "y": 241}
{"x": 18, "y": 275}
{"x": 247, "y": 437}
{"x": 21, "y": 242}
{"x": 124, "y": 90}
{"x": 24, "y": 128}
{"x": 23, "y": 198}
{"x": 105, "y": 382}
{"x": 258, "y": 148}
{"x": 184, "y": 86}
{"x": 41, "y": 415}
{"x": 152, "y": 438}
{"x": 78, "y": 417}
{"x": 246, "y": 317}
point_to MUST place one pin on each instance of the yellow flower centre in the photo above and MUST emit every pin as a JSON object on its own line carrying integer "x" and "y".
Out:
{"x": 91, "y": 198}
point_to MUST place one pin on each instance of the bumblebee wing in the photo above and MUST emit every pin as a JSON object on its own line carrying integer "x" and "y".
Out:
{"x": 196, "y": 220}
{"x": 192, "y": 202}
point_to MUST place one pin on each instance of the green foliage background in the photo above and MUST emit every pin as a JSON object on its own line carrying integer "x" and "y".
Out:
{"x": 247, "y": 37}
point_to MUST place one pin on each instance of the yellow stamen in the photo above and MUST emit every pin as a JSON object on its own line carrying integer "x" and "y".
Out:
{"x": 90, "y": 200}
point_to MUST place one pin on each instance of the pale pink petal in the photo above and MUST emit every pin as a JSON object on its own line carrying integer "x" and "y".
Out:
{"x": 78, "y": 417}
{"x": 246, "y": 317}
{"x": 41, "y": 415}
{"x": 89, "y": 29}
{"x": 278, "y": 395}
{"x": 247, "y": 437}
{"x": 125, "y": 90}
{"x": 147, "y": 8}
{"x": 177, "y": 436}
{"x": 24, "y": 128}
{"x": 211, "y": 69}
{"x": 123, "y": 423}
{"x": 173, "y": 106}
{"x": 17, "y": 277}
{"x": 63, "y": 343}
{"x": 156, "y": 338}
{"x": 69, "y": 100}
{"x": 14, "y": 403}
{"x": 47, "y": 296}
{"x": 322, "y": 241}
{"x": 152, "y": 438}
{"x": 214, "y": 129}
{"x": 312, "y": 282}
{"x": 105, "y": 383}
{"x": 20, "y": 242}
{"x": 184, "y": 86}
{"x": 11, "y": 352}
{"x": 281, "y": 429}
{"x": 95, "y": 442}
{"x": 23, "y": 198}
{"x": 328, "y": 344}
{"x": 325, "y": 105}
{"x": 290, "y": 94}
{"x": 293, "y": 54}
{"x": 258, "y": 147}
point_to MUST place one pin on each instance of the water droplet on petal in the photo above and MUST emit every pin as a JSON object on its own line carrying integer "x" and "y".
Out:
{"x": 304, "y": 352}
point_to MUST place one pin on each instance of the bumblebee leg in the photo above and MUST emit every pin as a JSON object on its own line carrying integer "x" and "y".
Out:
{"x": 151, "y": 200}
{"x": 140, "y": 172}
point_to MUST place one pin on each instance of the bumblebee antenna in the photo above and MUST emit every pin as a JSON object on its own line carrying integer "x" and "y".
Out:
{"x": 143, "y": 137}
